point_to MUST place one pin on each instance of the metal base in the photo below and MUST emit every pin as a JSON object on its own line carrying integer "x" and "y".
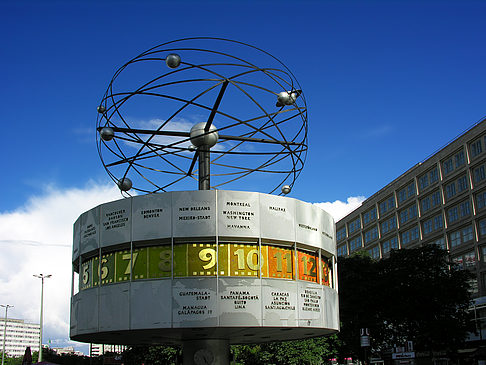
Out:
{"x": 205, "y": 352}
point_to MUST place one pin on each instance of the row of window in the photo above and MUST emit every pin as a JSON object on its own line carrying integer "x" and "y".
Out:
{"x": 432, "y": 201}
{"x": 392, "y": 244}
{"x": 457, "y": 237}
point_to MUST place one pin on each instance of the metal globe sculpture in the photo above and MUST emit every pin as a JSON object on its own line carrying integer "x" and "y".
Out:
{"x": 148, "y": 115}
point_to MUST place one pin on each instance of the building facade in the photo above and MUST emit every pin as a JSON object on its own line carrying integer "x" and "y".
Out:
{"x": 441, "y": 200}
{"x": 100, "y": 349}
{"x": 19, "y": 335}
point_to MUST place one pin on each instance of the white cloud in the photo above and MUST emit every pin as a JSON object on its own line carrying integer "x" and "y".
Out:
{"x": 37, "y": 238}
{"x": 339, "y": 209}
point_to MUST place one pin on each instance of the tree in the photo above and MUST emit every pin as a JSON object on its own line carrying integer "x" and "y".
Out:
{"x": 152, "y": 355}
{"x": 414, "y": 295}
{"x": 300, "y": 352}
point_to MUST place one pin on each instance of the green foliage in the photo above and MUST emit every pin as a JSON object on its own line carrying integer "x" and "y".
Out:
{"x": 152, "y": 355}
{"x": 301, "y": 352}
{"x": 415, "y": 294}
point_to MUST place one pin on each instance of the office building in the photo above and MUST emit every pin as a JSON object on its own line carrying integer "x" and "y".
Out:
{"x": 19, "y": 335}
{"x": 441, "y": 200}
{"x": 100, "y": 349}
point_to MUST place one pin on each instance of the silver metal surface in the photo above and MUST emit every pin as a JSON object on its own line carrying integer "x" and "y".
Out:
{"x": 174, "y": 309}
{"x": 200, "y": 137}
{"x": 107, "y": 133}
{"x": 173, "y": 60}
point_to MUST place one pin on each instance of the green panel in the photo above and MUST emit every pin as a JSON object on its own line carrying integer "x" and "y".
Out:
{"x": 223, "y": 259}
{"x": 159, "y": 261}
{"x": 123, "y": 259}
{"x": 107, "y": 270}
{"x": 201, "y": 259}
{"x": 96, "y": 271}
{"x": 86, "y": 275}
{"x": 140, "y": 264}
{"x": 180, "y": 260}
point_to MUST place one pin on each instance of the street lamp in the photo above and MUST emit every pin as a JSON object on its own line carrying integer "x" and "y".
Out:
{"x": 42, "y": 277}
{"x": 6, "y": 306}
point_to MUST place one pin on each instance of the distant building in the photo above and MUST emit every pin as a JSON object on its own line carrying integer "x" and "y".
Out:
{"x": 19, "y": 335}
{"x": 66, "y": 351}
{"x": 100, "y": 349}
{"x": 441, "y": 201}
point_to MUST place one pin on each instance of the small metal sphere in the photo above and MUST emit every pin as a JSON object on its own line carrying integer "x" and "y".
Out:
{"x": 200, "y": 138}
{"x": 173, "y": 60}
{"x": 107, "y": 133}
{"x": 124, "y": 184}
{"x": 287, "y": 97}
{"x": 286, "y": 189}
{"x": 192, "y": 148}
{"x": 101, "y": 109}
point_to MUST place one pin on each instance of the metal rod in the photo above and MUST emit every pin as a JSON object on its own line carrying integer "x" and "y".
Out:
{"x": 7, "y": 306}
{"x": 42, "y": 277}
{"x": 204, "y": 177}
{"x": 221, "y": 136}
{"x": 216, "y": 106}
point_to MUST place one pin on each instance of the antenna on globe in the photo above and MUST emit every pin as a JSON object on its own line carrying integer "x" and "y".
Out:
{"x": 238, "y": 115}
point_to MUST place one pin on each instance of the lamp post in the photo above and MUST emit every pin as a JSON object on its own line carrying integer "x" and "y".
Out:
{"x": 42, "y": 277}
{"x": 6, "y": 306}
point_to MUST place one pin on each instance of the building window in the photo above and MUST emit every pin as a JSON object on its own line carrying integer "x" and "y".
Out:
{"x": 450, "y": 190}
{"x": 483, "y": 253}
{"x": 455, "y": 239}
{"x": 458, "y": 185}
{"x": 354, "y": 225}
{"x": 462, "y": 184}
{"x": 465, "y": 261}
{"x": 461, "y": 236}
{"x": 465, "y": 209}
{"x": 434, "y": 175}
{"x": 433, "y": 224}
{"x": 369, "y": 216}
{"x": 423, "y": 182}
{"x": 447, "y": 166}
{"x": 387, "y": 205}
{"x": 342, "y": 251}
{"x": 388, "y": 225}
{"x": 476, "y": 148}
{"x": 408, "y": 214}
{"x": 410, "y": 236}
{"x": 406, "y": 192}
{"x": 355, "y": 244}
{"x": 479, "y": 174}
{"x": 440, "y": 242}
{"x": 481, "y": 200}
{"x": 371, "y": 235}
{"x": 425, "y": 204}
{"x": 435, "y": 199}
{"x": 388, "y": 245}
{"x": 452, "y": 215}
{"x": 467, "y": 234}
{"x": 374, "y": 252}
{"x": 430, "y": 201}
{"x": 461, "y": 210}
{"x": 459, "y": 159}
{"x": 341, "y": 234}
{"x": 482, "y": 227}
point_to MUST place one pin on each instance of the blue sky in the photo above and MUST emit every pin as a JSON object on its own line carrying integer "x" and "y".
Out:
{"x": 387, "y": 83}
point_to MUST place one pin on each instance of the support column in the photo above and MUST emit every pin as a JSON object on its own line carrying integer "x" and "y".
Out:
{"x": 204, "y": 169}
{"x": 206, "y": 352}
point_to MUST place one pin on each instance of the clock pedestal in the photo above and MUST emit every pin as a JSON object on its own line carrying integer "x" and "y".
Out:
{"x": 206, "y": 352}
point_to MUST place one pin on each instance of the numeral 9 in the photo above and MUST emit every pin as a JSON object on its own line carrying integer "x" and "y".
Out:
{"x": 208, "y": 254}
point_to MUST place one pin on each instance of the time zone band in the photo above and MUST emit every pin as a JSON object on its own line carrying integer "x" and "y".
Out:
{"x": 224, "y": 259}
